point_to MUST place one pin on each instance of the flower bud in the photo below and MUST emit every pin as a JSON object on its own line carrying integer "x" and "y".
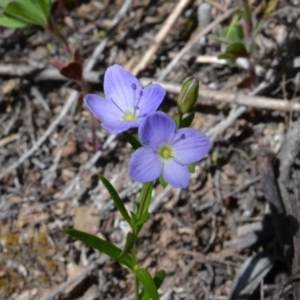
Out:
{"x": 188, "y": 95}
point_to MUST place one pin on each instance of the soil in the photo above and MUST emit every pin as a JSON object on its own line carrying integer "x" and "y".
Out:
{"x": 217, "y": 239}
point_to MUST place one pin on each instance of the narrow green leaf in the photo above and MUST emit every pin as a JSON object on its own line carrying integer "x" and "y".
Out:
{"x": 187, "y": 121}
{"x": 144, "y": 199}
{"x": 162, "y": 181}
{"x": 45, "y": 6}
{"x": 191, "y": 168}
{"x": 116, "y": 198}
{"x": 270, "y": 7}
{"x": 130, "y": 240}
{"x": 132, "y": 140}
{"x": 11, "y": 22}
{"x": 234, "y": 50}
{"x": 142, "y": 220}
{"x": 149, "y": 285}
{"x": 133, "y": 217}
{"x": 101, "y": 245}
{"x": 158, "y": 280}
{"x": 233, "y": 32}
{"x": 28, "y": 11}
{"x": 176, "y": 118}
{"x": 4, "y": 3}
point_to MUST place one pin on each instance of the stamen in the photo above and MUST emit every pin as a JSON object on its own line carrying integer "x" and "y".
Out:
{"x": 136, "y": 107}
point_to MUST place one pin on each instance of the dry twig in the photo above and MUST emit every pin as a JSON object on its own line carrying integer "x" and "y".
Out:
{"x": 194, "y": 40}
{"x": 161, "y": 35}
{"x": 68, "y": 104}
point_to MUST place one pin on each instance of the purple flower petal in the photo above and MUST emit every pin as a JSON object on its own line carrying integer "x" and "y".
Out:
{"x": 176, "y": 174}
{"x": 121, "y": 87}
{"x": 152, "y": 97}
{"x": 102, "y": 108}
{"x": 158, "y": 128}
{"x": 190, "y": 145}
{"x": 118, "y": 126}
{"x": 144, "y": 165}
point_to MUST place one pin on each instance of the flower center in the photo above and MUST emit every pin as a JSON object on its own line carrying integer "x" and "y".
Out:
{"x": 165, "y": 152}
{"x": 129, "y": 116}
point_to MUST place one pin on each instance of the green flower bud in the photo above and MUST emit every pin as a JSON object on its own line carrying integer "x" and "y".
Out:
{"x": 188, "y": 95}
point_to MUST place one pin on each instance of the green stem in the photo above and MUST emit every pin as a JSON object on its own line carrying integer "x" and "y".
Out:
{"x": 248, "y": 18}
{"x": 136, "y": 280}
{"x": 143, "y": 201}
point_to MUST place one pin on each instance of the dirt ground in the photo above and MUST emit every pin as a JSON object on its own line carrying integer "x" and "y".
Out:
{"x": 229, "y": 234}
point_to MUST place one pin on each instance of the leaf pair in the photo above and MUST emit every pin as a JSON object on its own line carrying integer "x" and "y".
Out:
{"x": 20, "y": 13}
{"x": 150, "y": 284}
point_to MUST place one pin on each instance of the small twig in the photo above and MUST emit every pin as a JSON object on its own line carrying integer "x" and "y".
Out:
{"x": 38, "y": 95}
{"x": 161, "y": 35}
{"x": 68, "y": 104}
{"x": 194, "y": 40}
{"x": 217, "y": 130}
{"x": 232, "y": 98}
{"x": 98, "y": 50}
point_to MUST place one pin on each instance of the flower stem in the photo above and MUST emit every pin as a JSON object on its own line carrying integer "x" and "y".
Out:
{"x": 136, "y": 280}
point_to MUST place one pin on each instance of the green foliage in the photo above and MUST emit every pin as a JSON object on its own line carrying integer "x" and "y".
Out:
{"x": 158, "y": 280}
{"x": 141, "y": 221}
{"x": 144, "y": 199}
{"x": 191, "y": 168}
{"x": 149, "y": 285}
{"x": 103, "y": 246}
{"x": 188, "y": 95}
{"x": 20, "y": 13}
{"x": 162, "y": 181}
{"x": 116, "y": 198}
{"x": 233, "y": 51}
{"x": 133, "y": 140}
{"x": 130, "y": 241}
{"x": 233, "y": 34}
{"x": 187, "y": 121}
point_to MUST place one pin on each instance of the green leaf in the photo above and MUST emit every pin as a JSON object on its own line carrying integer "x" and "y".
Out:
{"x": 132, "y": 140}
{"x": 116, "y": 198}
{"x": 162, "y": 181}
{"x": 158, "y": 280}
{"x": 130, "y": 240}
{"x": 191, "y": 168}
{"x": 7, "y": 21}
{"x": 233, "y": 32}
{"x": 149, "y": 285}
{"x": 144, "y": 199}
{"x": 101, "y": 245}
{"x": 270, "y": 7}
{"x": 187, "y": 121}
{"x": 142, "y": 220}
{"x": 234, "y": 50}
{"x": 29, "y": 11}
{"x": 176, "y": 118}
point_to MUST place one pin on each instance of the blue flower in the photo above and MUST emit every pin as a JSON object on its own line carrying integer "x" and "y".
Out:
{"x": 166, "y": 151}
{"x": 126, "y": 102}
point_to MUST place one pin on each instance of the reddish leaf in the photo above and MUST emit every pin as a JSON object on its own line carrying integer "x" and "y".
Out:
{"x": 56, "y": 64}
{"x": 77, "y": 56}
{"x": 72, "y": 71}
